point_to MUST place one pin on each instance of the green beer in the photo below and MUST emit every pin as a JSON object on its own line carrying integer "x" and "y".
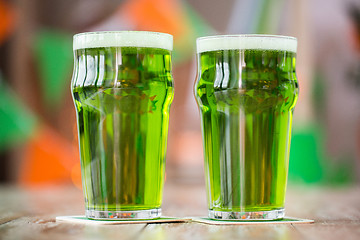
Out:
{"x": 122, "y": 89}
{"x": 246, "y": 91}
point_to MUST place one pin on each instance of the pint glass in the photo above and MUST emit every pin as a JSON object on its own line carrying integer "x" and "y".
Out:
{"x": 246, "y": 90}
{"x": 122, "y": 88}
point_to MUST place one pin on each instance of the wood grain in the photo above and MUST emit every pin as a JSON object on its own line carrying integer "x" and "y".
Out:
{"x": 30, "y": 214}
{"x": 47, "y": 228}
{"x": 201, "y": 231}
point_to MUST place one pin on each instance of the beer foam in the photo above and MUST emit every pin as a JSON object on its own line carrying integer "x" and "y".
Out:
{"x": 247, "y": 41}
{"x": 123, "y": 39}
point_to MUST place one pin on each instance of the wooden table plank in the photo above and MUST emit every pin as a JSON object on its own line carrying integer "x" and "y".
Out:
{"x": 324, "y": 203}
{"x": 336, "y": 211}
{"x": 49, "y": 200}
{"x": 202, "y": 231}
{"x": 30, "y": 214}
{"x": 344, "y": 230}
{"x": 10, "y": 207}
{"x": 35, "y": 228}
{"x": 184, "y": 200}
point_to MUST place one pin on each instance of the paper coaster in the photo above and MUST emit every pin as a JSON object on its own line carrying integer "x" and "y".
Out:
{"x": 84, "y": 220}
{"x": 286, "y": 220}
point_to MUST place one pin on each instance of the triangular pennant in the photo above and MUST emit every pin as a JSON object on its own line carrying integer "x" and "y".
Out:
{"x": 53, "y": 51}
{"x": 17, "y": 122}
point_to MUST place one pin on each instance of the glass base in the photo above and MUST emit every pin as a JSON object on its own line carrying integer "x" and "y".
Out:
{"x": 123, "y": 215}
{"x": 258, "y": 216}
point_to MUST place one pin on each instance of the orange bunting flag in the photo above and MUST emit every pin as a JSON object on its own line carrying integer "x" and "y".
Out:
{"x": 49, "y": 159}
{"x": 155, "y": 15}
{"x": 7, "y": 17}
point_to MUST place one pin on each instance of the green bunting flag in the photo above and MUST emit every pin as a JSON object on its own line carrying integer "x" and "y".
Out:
{"x": 17, "y": 122}
{"x": 53, "y": 51}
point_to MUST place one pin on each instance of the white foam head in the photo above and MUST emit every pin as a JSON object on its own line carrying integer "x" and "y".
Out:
{"x": 123, "y": 39}
{"x": 246, "y": 41}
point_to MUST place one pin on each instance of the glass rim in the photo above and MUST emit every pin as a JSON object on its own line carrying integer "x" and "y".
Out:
{"x": 144, "y": 39}
{"x": 246, "y": 42}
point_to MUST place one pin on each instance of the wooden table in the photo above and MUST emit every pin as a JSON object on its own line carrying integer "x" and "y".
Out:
{"x": 30, "y": 214}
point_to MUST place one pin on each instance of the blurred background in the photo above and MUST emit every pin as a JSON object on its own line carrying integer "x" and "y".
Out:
{"x": 38, "y": 135}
